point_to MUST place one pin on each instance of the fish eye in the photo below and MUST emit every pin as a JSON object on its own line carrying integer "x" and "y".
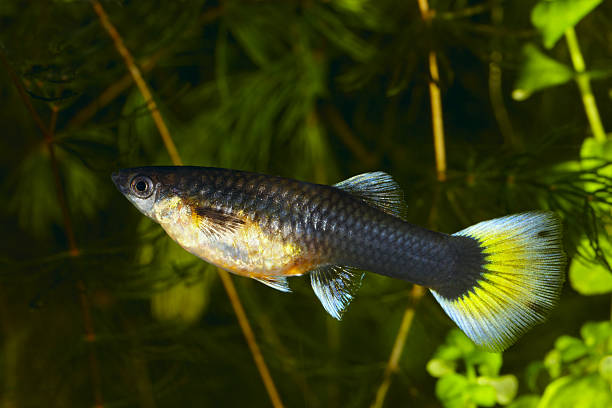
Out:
{"x": 142, "y": 186}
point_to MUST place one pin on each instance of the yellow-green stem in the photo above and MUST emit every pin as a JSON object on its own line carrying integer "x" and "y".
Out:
{"x": 584, "y": 84}
{"x": 435, "y": 99}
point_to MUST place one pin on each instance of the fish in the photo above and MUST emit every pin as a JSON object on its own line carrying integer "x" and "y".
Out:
{"x": 495, "y": 279}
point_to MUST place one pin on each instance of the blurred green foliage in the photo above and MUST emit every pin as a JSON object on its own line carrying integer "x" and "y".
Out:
{"x": 478, "y": 383}
{"x": 319, "y": 91}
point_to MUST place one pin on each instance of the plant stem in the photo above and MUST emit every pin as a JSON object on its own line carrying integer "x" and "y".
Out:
{"x": 584, "y": 84}
{"x": 140, "y": 83}
{"x": 174, "y": 155}
{"x": 496, "y": 94}
{"x": 436, "y": 100}
{"x": 250, "y": 337}
{"x": 398, "y": 347}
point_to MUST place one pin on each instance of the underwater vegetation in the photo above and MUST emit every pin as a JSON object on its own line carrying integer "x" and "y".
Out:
{"x": 477, "y": 108}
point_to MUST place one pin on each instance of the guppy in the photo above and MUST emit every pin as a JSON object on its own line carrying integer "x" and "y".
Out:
{"x": 495, "y": 279}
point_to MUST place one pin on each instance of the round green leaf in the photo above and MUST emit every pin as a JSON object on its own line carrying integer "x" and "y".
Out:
{"x": 577, "y": 392}
{"x": 605, "y": 368}
{"x": 533, "y": 372}
{"x": 448, "y": 352}
{"x": 438, "y": 367}
{"x": 452, "y": 390}
{"x": 488, "y": 363}
{"x": 589, "y": 278}
{"x": 595, "y": 153}
{"x": 526, "y": 401}
{"x": 552, "y": 362}
{"x": 593, "y": 148}
{"x": 505, "y": 387}
{"x": 483, "y": 394}
{"x": 595, "y": 333}
{"x": 570, "y": 348}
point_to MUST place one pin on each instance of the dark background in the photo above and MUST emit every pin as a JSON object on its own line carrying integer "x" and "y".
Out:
{"x": 313, "y": 90}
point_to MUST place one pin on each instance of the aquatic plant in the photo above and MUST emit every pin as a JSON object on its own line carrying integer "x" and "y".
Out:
{"x": 478, "y": 108}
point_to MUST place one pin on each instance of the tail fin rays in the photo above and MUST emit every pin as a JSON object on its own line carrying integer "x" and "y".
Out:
{"x": 519, "y": 282}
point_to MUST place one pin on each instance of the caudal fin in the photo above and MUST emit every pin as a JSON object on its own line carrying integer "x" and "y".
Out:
{"x": 511, "y": 284}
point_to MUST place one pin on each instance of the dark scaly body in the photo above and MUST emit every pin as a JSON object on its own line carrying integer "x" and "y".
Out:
{"x": 330, "y": 226}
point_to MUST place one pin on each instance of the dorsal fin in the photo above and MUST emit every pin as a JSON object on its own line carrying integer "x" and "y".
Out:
{"x": 335, "y": 286}
{"x": 377, "y": 189}
{"x": 276, "y": 282}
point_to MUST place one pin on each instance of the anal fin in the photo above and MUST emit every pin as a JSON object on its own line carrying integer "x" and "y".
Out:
{"x": 276, "y": 282}
{"x": 335, "y": 286}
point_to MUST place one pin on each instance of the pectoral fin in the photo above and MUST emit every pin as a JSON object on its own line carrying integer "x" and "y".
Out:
{"x": 213, "y": 222}
{"x": 335, "y": 286}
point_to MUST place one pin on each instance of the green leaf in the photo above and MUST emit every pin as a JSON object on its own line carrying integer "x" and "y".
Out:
{"x": 438, "y": 367}
{"x": 577, "y": 392}
{"x": 552, "y": 362}
{"x": 605, "y": 368}
{"x": 594, "y": 152}
{"x": 553, "y": 17}
{"x": 590, "y": 278}
{"x": 525, "y": 401}
{"x": 532, "y": 374}
{"x": 456, "y": 345}
{"x": 458, "y": 339}
{"x": 505, "y": 387}
{"x": 570, "y": 348}
{"x": 483, "y": 394}
{"x": 488, "y": 363}
{"x": 538, "y": 72}
{"x": 595, "y": 333}
{"x": 448, "y": 352}
{"x": 452, "y": 390}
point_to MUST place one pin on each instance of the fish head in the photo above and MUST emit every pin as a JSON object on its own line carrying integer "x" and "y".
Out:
{"x": 142, "y": 186}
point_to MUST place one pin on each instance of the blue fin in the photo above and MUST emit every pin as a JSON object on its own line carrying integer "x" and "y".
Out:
{"x": 517, "y": 283}
{"x": 377, "y": 189}
{"x": 335, "y": 286}
{"x": 276, "y": 282}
